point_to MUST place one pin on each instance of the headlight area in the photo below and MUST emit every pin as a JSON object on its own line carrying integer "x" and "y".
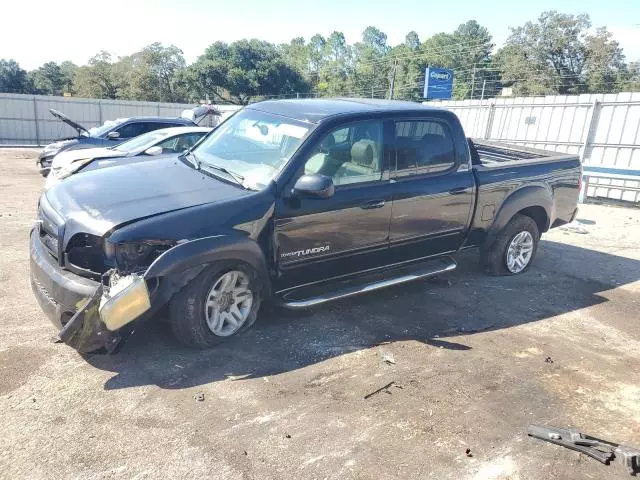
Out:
{"x": 127, "y": 296}
{"x": 123, "y": 295}
{"x": 135, "y": 256}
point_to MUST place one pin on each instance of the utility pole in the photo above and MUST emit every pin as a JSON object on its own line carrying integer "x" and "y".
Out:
{"x": 484, "y": 84}
{"x": 393, "y": 79}
{"x": 473, "y": 80}
{"x": 372, "y": 90}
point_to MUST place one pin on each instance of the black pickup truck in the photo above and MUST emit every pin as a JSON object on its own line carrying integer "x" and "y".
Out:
{"x": 301, "y": 202}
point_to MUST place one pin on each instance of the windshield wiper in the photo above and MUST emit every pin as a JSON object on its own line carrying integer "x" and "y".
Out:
{"x": 235, "y": 176}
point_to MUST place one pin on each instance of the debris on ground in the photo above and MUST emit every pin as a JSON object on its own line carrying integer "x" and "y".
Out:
{"x": 381, "y": 389}
{"x": 287, "y": 436}
{"x": 574, "y": 227}
{"x": 548, "y": 360}
{"x": 468, "y": 453}
{"x": 199, "y": 397}
{"x": 387, "y": 357}
{"x": 600, "y": 450}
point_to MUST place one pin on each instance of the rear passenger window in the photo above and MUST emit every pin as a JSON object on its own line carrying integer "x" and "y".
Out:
{"x": 422, "y": 147}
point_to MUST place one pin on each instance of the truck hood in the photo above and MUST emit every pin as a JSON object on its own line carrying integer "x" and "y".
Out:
{"x": 98, "y": 201}
{"x": 69, "y": 156}
{"x": 63, "y": 118}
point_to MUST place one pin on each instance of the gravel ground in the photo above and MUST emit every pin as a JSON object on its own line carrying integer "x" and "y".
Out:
{"x": 477, "y": 359}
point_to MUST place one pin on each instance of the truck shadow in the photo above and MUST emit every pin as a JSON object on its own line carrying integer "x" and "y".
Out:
{"x": 563, "y": 278}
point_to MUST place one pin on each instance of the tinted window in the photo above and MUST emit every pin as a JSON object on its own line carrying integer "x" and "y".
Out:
{"x": 180, "y": 143}
{"x": 423, "y": 146}
{"x": 351, "y": 154}
{"x": 133, "y": 129}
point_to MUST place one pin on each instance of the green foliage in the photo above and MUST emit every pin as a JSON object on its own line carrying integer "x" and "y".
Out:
{"x": 13, "y": 79}
{"x": 558, "y": 53}
{"x": 153, "y": 75}
{"x": 101, "y": 78}
{"x": 243, "y": 70}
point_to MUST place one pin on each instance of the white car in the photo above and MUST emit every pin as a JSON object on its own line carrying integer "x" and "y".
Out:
{"x": 158, "y": 142}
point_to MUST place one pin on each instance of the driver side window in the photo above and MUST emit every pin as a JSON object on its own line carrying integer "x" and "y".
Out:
{"x": 349, "y": 154}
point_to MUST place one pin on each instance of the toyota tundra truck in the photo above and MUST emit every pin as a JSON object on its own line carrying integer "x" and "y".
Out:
{"x": 299, "y": 202}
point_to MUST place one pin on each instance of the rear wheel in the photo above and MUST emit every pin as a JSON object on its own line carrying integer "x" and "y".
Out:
{"x": 220, "y": 302}
{"x": 514, "y": 249}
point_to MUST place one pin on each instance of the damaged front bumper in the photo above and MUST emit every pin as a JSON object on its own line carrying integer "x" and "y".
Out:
{"x": 100, "y": 323}
{"x": 90, "y": 315}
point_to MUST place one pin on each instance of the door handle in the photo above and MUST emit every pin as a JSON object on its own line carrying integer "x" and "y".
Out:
{"x": 458, "y": 191}
{"x": 372, "y": 204}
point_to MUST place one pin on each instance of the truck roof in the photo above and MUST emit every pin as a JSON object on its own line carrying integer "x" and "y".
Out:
{"x": 316, "y": 110}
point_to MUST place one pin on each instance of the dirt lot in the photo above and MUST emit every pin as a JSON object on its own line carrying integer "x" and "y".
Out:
{"x": 476, "y": 360}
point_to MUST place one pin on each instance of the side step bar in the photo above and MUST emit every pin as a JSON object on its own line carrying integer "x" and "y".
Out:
{"x": 392, "y": 277}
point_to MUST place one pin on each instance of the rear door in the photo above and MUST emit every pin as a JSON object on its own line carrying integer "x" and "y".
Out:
{"x": 348, "y": 232}
{"x": 433, "y": 190}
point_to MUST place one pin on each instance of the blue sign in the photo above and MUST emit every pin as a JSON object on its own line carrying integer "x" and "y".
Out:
{"x": 438, "y": 84}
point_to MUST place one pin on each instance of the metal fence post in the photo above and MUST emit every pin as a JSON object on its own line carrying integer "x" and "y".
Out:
{"x": 100, "y": 111}
{"x": 590, "y": 129}
{"x": 35, "y": 119}
{"x": 491, "y": 114}
{"x": 158, "y": 108}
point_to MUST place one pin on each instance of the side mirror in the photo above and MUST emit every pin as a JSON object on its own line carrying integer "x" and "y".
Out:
{"x": 113, "y": 135}
{"x": 316, "y": 186}
{"x": 155, "y": 150}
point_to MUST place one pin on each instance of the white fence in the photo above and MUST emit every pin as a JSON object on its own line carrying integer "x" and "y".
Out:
{"x": 25, "y": 119}
{"x": 603, "y": 129}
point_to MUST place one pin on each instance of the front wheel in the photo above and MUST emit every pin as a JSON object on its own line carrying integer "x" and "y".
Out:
{"x": 514, "y": 249}
{"x": 220, "y": 302}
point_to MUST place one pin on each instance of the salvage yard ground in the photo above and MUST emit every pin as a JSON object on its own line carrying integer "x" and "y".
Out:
{"x": 474, "y": 360}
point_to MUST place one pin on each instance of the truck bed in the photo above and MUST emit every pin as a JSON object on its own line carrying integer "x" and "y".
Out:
{"x": 501, "y": 169}
{"x": 490, "y": 153}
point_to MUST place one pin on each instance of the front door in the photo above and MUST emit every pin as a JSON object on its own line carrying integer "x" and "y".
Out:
{"x": 323, "y": 238}
{"x": 433, "y": 190}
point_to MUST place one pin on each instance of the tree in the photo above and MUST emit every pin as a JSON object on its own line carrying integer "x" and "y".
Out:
{"x": 372, "y": 65}
{"x": 336, "y": 66}
{"x": 604, "y": 65}
{"x": 546, "y": 57}
{"x": 14, "y": 79}
{"x": 243, "y": 70}
{"x": 100, "y": 79}
{"x": 68, "y": 70}
{"x": 296, "y": 54}
{"x": 412, "y": 41}
{"x": 154, "y": 74}
{"x": 48, "y": 79}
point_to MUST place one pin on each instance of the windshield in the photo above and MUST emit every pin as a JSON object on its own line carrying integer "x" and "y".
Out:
{"x": 253, "y": 145}
{"x": 104, "y": 128}
{"x": 141, "y": 142}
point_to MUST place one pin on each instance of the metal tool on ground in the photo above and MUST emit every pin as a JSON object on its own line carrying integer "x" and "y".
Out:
{"x": 601, "y": 450}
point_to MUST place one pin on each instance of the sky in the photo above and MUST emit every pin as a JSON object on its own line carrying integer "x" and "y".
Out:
{"x": 36, "y": 31}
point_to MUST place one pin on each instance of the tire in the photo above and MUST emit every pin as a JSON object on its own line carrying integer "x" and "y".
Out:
{"x": 495, "y": 257}
{"x": 191, "y": 317}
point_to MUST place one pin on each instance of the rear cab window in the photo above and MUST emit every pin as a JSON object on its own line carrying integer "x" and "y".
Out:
{"x": 423, "y": 147}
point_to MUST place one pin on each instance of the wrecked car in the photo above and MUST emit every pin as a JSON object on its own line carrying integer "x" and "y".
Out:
{"x": 299, "y": 202}
{"x": 159, "y": 142}
{"x": 114, "y": 132}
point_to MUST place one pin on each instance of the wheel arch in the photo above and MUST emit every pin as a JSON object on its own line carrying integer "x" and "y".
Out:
{"x": 534, "y": 201}
{"x": 179, "y": 265}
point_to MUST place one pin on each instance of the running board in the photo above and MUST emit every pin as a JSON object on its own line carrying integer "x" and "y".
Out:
{"x": 395, "y": 276}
